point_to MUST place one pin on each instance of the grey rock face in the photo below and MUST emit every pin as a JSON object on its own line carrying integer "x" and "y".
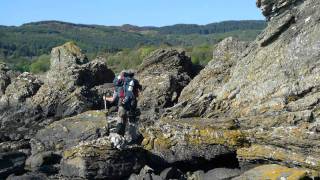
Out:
{"x": 163, "y": 75}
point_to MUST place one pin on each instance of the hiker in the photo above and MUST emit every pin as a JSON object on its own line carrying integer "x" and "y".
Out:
{"x": 125, "y": 94}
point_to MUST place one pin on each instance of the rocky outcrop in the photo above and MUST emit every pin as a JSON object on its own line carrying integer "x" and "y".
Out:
{"x": 97, "y": 159}
{"x": 271, "y": 92}
{"x": 163, "y": 75}
{"x": 69, "y": 89}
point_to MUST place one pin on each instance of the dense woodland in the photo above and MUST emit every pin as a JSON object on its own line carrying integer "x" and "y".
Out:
{"x": 27, "y": 47}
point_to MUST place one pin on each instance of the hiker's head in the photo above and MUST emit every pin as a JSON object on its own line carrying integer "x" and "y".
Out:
{"x": 127, "y": 73}
{"x": 130, "y": 73}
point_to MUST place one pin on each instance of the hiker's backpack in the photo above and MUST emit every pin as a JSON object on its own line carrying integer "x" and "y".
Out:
{"x": 127, "y": 89}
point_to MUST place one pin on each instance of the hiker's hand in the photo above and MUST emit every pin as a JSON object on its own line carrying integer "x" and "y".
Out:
{"x": 104, "y": 97}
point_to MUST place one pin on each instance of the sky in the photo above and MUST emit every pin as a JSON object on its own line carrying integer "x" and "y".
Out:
{"x": 135, "y": 12}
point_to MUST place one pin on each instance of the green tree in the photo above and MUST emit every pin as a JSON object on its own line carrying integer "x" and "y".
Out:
{"x": 42, "y": 64}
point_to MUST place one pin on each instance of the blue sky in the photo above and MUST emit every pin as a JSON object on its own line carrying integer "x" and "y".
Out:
{"x": 136, "y": 12}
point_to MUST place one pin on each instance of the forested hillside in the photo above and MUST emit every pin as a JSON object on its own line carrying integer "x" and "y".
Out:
{"x": 25, "y": 48}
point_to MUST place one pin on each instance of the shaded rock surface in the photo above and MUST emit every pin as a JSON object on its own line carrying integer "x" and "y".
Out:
{"x": 163, "y": 75}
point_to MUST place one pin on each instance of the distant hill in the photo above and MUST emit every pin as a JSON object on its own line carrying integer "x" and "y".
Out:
{"x": 37, "y": 38}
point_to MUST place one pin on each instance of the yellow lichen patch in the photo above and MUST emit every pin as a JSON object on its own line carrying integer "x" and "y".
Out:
{"x": 255, "y": 152}
{"x": 231, "y": 138}
{"x": 72, "y": 48}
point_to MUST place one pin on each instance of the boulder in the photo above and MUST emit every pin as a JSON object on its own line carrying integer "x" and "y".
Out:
{"x": 274, "y": 171}
{"x": 163, "y": 75}
{"x": 97, "y": 159}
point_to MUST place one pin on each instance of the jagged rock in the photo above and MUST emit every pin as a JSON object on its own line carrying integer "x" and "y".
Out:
{"x": 11, "y": 162}
{"x": 163, "y": 75}
{"x": 274, "y": 171}
{"x": 272, "y": 92}
{"x": 69, "y": 132}
{"x": 98, "y": 160}
{"x": 197, "y": 97}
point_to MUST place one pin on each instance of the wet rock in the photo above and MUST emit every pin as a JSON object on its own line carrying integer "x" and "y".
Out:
{"x": 274, "y": 171}
{"x": 98, "y": 160}
{"x": 163, "y": 75}
{"x": 11, "y": 162}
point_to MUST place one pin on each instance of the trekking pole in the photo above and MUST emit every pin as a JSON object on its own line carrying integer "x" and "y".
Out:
{"x": 105, "y": 103}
